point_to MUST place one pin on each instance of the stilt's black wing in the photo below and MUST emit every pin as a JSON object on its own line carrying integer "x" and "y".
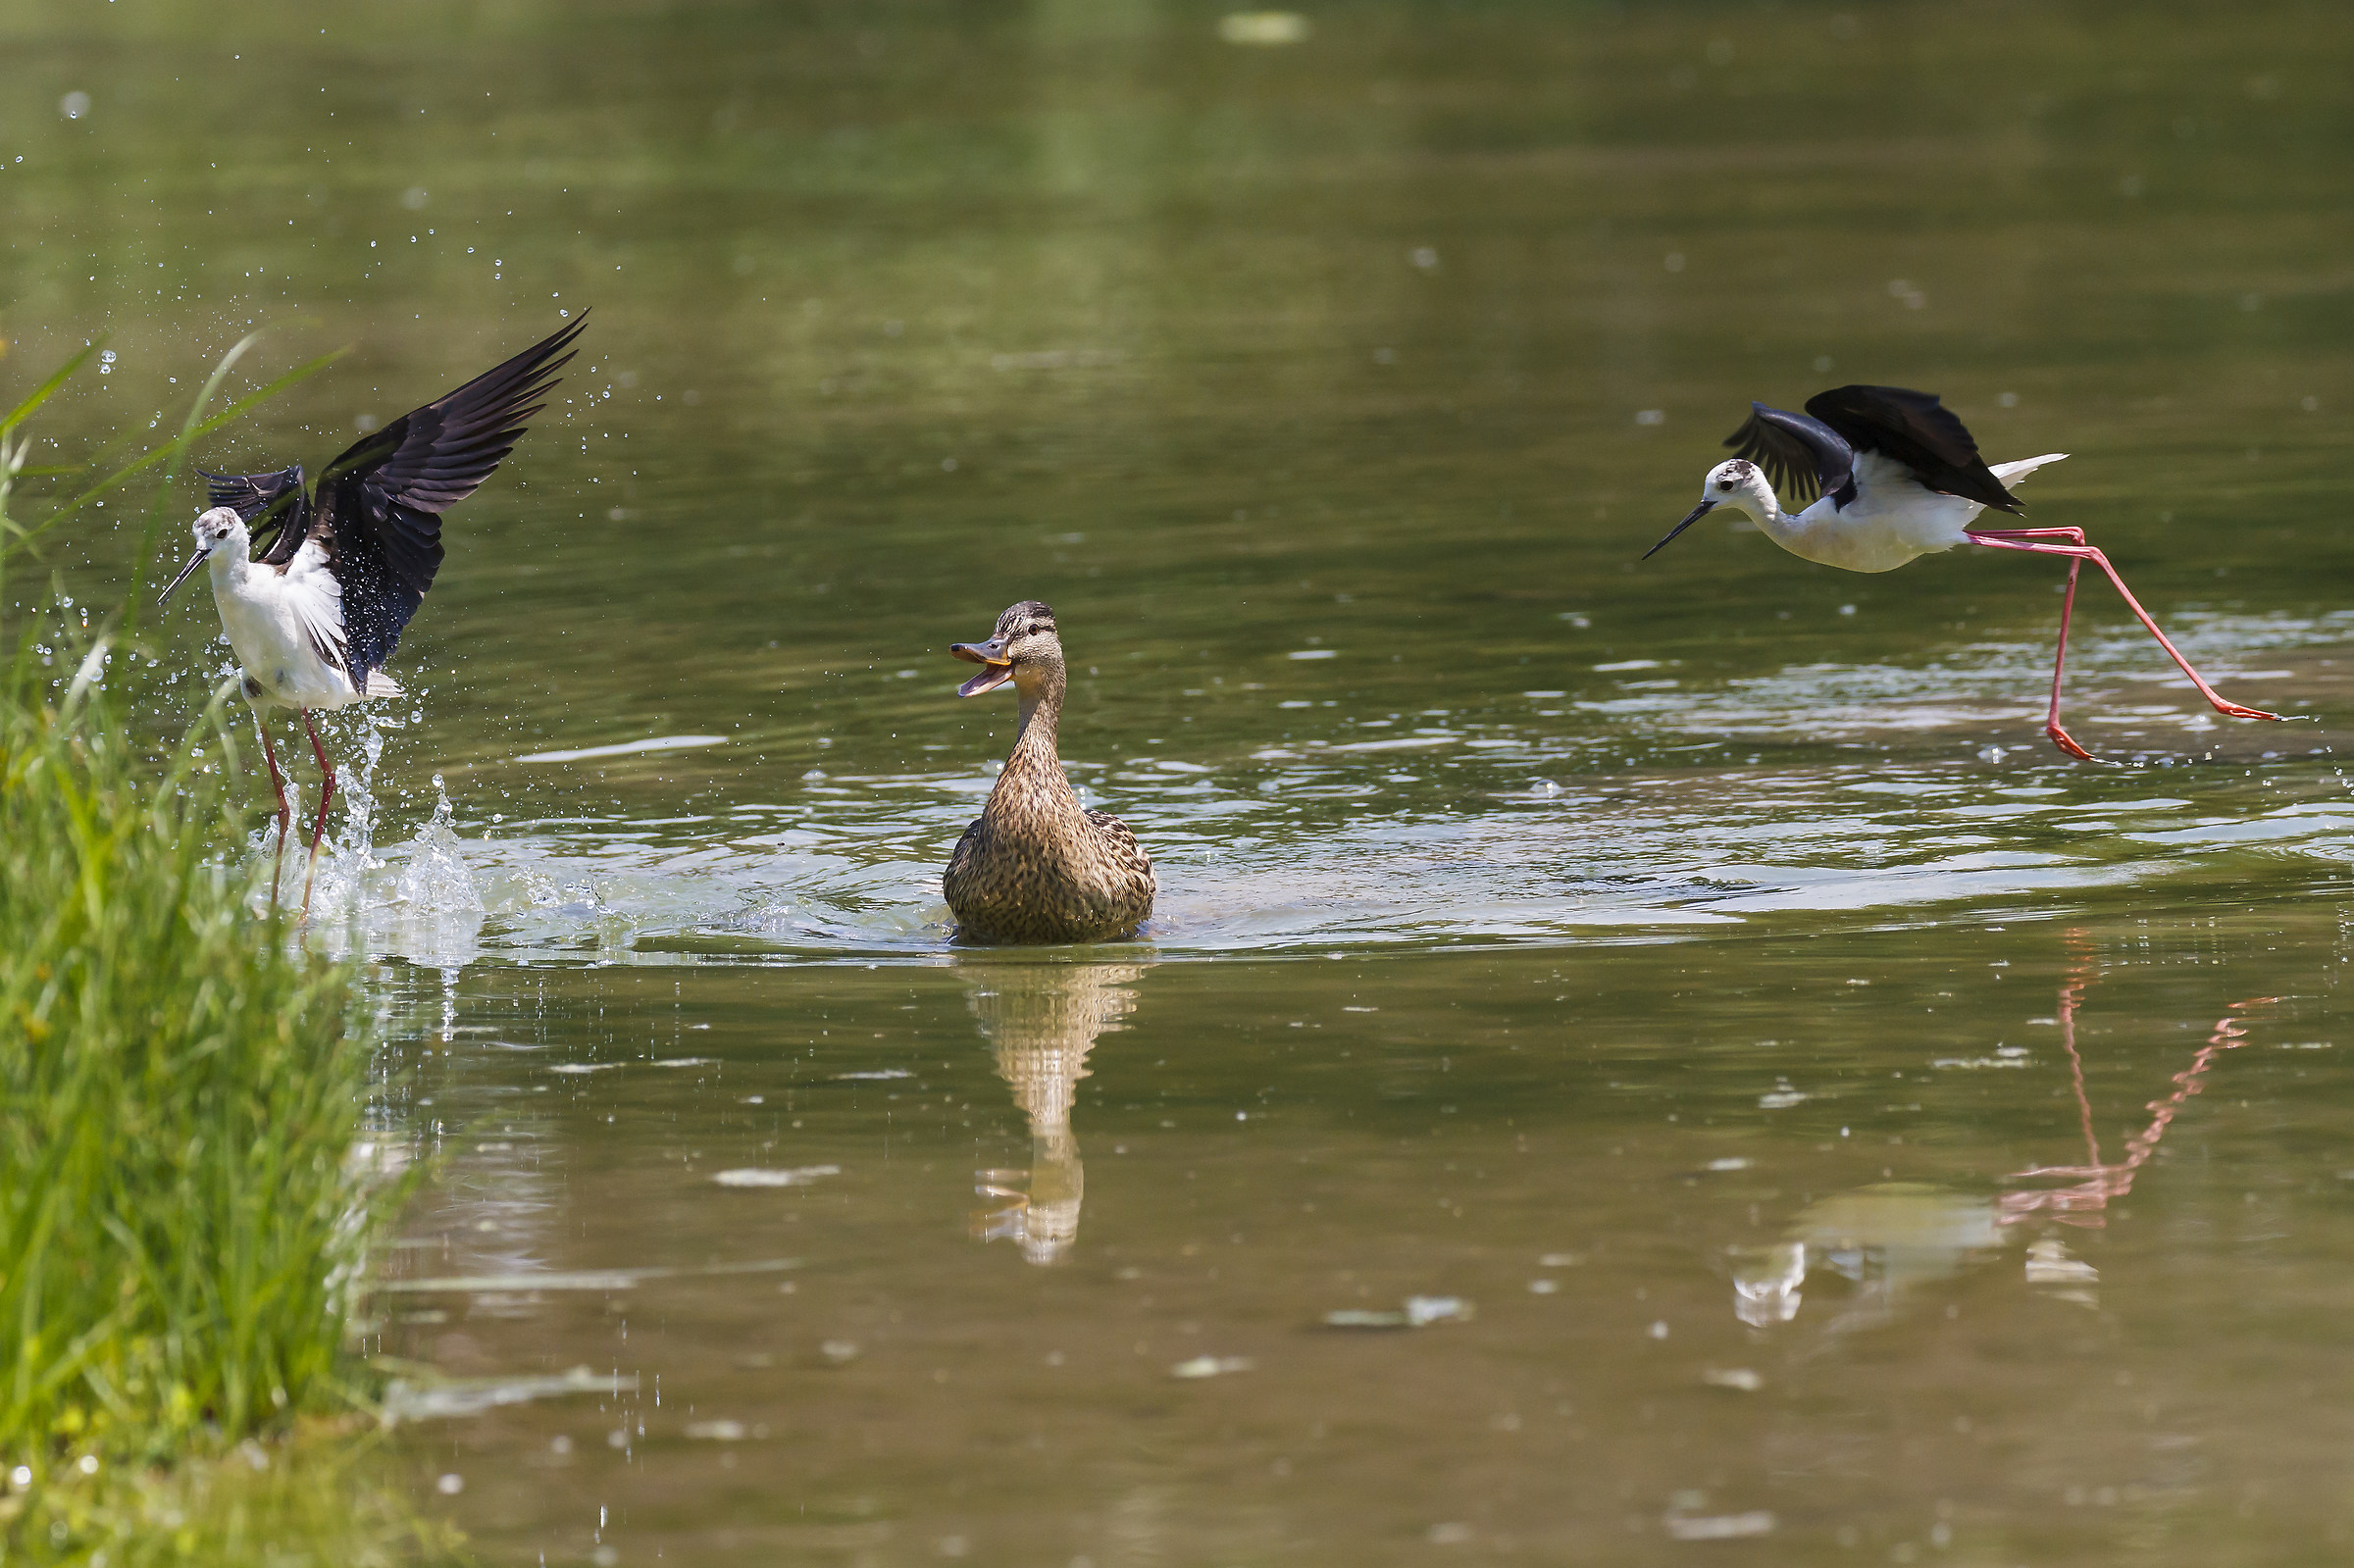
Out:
{"x": 380, "y": 501}
{"x": 266, "y": 501}
{"x": 1803, "y": 457}
{"x": 1917, "y": 431}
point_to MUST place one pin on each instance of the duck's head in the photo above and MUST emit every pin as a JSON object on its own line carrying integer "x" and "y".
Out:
{"x": 1736, "y": 483}
{"x": 217, "y": 531}
{"x": 1022, "y": 650}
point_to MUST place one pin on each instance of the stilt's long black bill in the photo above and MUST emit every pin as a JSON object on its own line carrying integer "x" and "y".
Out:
{"x": 194, "y": 560}
{"x": 1698, "y": 512}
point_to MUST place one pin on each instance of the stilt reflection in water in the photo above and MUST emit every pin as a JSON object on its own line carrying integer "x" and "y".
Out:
{"x": 2094, "y": 1185}
{"x": 1041, "y": 1020}
{"x": 1888, "y": 1238}
{"x": 1892, "y": 1235}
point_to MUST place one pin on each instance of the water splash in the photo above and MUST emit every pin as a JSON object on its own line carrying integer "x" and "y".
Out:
{"x": 359, "y": 806}
{"x": 435, "y": 879}
{"x": 430, "y": 909}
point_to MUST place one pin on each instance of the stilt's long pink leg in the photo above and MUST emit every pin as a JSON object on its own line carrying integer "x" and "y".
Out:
{"x": 2067, "y": 607}
{"x": 327, "y": 792}
{"x": 2050, "y": 719}
{"x": 286, "y": 813}
{"x": 2077, "y": 552}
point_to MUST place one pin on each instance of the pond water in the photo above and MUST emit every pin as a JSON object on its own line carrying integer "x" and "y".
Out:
{"x": 1741, "y": 1093}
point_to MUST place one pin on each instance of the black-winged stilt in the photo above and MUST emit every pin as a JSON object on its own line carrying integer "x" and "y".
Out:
{"x": 315, "y": 617}
{"x": 1897, "y": 476}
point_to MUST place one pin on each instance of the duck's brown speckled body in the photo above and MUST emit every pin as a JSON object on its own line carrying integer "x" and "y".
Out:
{"x": 1037, "y": 867}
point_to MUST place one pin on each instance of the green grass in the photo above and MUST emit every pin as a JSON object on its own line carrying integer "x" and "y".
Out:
{"x": 184, "y": 1216}
{"x": 178, "y": 1095}
{"x": 322, "y": 1500}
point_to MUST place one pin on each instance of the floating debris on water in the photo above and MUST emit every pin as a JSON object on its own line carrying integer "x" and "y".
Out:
{"x": 1561, "y": 1260}
{"x": 1210, "y": 1366}
{"x": 578, "y": 1279}
{"x": 1054, "y": 359}
{"x": 1720, "y": 1527}
{"x": 840, "y": 1353}
{"x": 722, "y": 1431}
{"x": 888, "y": 1071}
{"x": 2004, "y": 1056}
{"x": 407, "y": 1399}
{"x": 1419, "y": 1312}
{"x": 1264, "y": 29}
{"x": 755, "y": 1176}
{"x": 1740, "y": 1377}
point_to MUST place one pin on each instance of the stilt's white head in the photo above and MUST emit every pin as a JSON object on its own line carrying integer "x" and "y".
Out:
{"x": 1736, "y": 483}
{"x": 217, "y": 531}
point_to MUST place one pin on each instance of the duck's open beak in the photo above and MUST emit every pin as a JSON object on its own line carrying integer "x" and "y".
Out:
{"x": 1698, "y": 512}
{"x": 996, "y": 668}
{"x": 194, "y": 560}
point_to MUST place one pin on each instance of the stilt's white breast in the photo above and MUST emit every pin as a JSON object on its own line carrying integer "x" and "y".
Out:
{"x": 1893, "y": 519}
{"x": 286, "y": 630}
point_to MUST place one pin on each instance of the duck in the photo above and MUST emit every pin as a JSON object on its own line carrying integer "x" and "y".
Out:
{"x": 1036, "y": 866}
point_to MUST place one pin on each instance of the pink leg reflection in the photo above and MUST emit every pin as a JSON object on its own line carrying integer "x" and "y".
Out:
{"x": 2096, "y": 1183}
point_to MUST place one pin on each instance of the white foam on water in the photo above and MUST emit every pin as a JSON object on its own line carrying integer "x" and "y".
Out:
{"x": 626, "y": 748}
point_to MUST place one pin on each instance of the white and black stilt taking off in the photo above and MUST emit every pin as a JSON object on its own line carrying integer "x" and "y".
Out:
{"x": 314, "y": 619}
{"x": 1893, "y": 475}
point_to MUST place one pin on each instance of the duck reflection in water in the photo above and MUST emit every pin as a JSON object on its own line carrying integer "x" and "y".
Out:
{"x": 1041, "y": 1020}
{"x": 1891, "y": 1237}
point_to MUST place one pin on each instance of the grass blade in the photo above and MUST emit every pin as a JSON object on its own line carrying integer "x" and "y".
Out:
{"x": 41, "y": 393}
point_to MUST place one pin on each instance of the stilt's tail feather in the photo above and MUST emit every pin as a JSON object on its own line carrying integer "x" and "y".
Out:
{"x": 2012, "y": 473}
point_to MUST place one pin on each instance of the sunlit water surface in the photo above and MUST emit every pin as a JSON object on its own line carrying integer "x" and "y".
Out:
{"x": 1734, "y": 1082}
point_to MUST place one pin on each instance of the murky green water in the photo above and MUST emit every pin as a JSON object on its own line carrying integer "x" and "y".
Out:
{"x": 1699, "y": 977}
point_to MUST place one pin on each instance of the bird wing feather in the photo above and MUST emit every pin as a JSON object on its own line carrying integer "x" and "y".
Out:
{"x": 312, "y": 592}
{"x": 1122, "y": 841}
{"x": 1803, "y": 457}
{"x": 1918, "y": 431}
{"x": 378, "y": 514}
{"x": 266, "y": 501}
